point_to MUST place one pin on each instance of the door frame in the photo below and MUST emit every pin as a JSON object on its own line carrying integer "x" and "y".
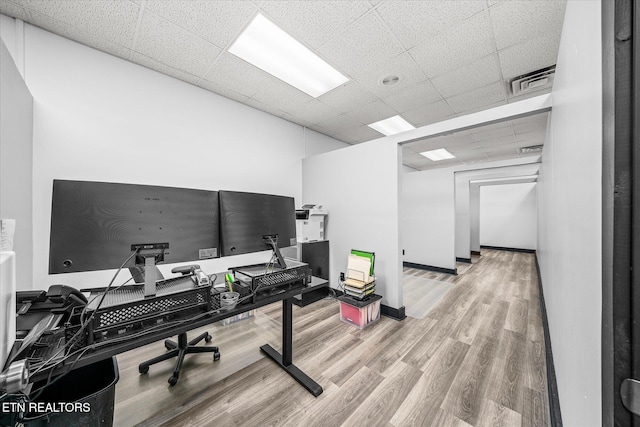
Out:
{"x": 620, "y": 206}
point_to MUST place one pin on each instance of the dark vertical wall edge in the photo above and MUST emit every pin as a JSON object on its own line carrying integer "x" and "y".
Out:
{"x": 552, "y": 385}
{"x": 619, "y": 85}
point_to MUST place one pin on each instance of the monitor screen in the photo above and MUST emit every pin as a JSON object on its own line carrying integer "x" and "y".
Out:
{"x": 95, "y": 224}
{"x": 246, "y": 218}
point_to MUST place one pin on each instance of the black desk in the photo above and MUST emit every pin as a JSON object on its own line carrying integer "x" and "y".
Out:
{"x": 107, "y": 349}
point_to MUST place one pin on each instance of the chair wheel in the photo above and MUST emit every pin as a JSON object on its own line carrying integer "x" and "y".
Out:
{"x": 216, "y": 356}
{"x": 143, "y": 369}
{"x": 173, "y": 380}
{"x": 207, "y": 338}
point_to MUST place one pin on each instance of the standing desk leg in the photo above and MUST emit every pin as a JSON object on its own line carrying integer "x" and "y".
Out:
{"x": 285, "y": 360}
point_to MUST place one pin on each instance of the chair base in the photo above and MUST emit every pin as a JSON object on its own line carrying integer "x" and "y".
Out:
{"x": 179, "y": 350}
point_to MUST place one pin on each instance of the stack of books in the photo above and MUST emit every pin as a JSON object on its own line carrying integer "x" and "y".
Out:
{"x": 360, "y": 283}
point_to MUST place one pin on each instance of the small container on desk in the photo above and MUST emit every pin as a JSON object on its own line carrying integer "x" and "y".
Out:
{"x": 360, "y": 313}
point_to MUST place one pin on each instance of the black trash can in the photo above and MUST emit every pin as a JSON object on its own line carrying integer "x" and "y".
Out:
{"x": 89, "y": 395}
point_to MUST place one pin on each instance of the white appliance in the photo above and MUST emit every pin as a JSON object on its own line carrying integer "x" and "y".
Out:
{"x": 7, "y": 304}
{"x": 310, "y": 223}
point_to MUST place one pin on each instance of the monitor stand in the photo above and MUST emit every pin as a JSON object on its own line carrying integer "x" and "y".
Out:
{"x": 146, "y": 258}
{"x": 273, "y": 244}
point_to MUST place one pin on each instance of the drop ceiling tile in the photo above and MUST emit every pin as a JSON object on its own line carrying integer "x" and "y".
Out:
{"x": 223, "y": 90}
{"x": 472, "y": 156}
{"x": 402, "y": 66}
{"x": 428, "y": 114}
{"x": 413, "y": 97}
{"x": 419, "y": 146}
{"x": 315, "y": 112}
{"x": 529, "y": 56}
{"x": 459, "y": 138}
{"x": 363, "y": 46}
{"x": 151, "y": 63}
{"x": 501, "y": 156}
{"x": 237, "y": 75}
{"x": 347, "y": 97}
{"x": 340, "y": 124}
{"x": 414, "y": 21}
{"x": 267, "y": 108}
{"x": 359, "y": 134}
{"x": 488, "y": 134}
{"x": 218, "y": 22}
{"x": 14, "y": 10}
{"x": 518, "y": 21}
{"x": 301, "y": 18}
{"x": 282, "y": 96}
{"x": 469, "y": 77}
{"x": 464, "y": 148}
{"x": 534, "y": 126}
{"x": 168, "y": 43}
{"x": 510, "y": 139}
{"x": 77, "y": 34}
{"x": 110, "y": 20}
{"x": 458, "y": 46}
{"x": 530, "y": 138}
{"x": 479, "y": 98}
{"x": 372, "y": 113}
{"x": 501, "y": 149}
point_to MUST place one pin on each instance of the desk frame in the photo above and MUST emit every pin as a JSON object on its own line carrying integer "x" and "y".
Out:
{"x": 284, "y": 360}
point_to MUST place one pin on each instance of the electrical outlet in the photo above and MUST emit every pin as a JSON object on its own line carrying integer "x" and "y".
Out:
{"x": 342, "y": 277}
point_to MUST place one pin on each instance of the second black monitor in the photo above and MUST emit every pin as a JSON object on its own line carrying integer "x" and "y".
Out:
{"x": 246, "y": 218}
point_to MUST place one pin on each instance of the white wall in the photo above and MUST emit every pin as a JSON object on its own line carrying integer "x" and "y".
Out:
{"x": 509, "y": 216}
{"x": 433, "y": 202}
{"x": 465, "y": 215}
{"x": 100, "y": 118}
{"x": 16, "y": 157}
{"x": 570, "y": 215}
{"x": 428, "y": 218}
{"x": 359, "y": 187}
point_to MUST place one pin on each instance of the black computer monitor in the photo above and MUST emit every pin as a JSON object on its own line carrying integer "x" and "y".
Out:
{"x": 253, "y": 222}
{"x": 97, "y": 225}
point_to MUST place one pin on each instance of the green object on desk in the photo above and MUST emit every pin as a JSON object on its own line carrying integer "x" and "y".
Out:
{"x": 229, "y": 278}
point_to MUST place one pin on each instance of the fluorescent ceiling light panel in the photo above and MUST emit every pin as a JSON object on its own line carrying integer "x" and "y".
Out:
{"x": 391, "y": 126}
{"x": 439, "y": 154}
{"x": 269, "y": 48}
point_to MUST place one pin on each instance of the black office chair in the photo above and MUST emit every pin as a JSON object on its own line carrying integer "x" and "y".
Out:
{"x": 179, "y": 350}
{"x": 183, "y": 347}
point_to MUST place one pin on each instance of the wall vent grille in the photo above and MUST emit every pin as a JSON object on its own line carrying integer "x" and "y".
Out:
{"x": 531, "y": 149}
{"x": 533, "y": 81}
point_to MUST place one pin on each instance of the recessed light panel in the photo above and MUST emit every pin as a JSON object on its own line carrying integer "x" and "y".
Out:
{"x": 391, "y": 126}
{"x": 269, "y": 48}
{"x": 437, "y": 155}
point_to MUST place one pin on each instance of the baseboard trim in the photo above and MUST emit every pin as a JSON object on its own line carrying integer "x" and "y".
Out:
{"x": 394, "y": 313}
{"x": 430, "y": 268}
{"x": 475, "y": 252}
{"x": 500, "y": 248}
{"x": 467, "y": 260}
{"x": 552, "y": 384}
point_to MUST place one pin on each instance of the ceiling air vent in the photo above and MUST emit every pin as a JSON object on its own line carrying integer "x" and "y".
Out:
{"x": 531, "y": 149}
{"x": 532, "y": 81}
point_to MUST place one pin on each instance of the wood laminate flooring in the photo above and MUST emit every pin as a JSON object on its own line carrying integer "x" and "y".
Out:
{"x": 476, "y": 358}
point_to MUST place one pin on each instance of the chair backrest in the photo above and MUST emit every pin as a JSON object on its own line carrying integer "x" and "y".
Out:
{"x": 371, "y": 256}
